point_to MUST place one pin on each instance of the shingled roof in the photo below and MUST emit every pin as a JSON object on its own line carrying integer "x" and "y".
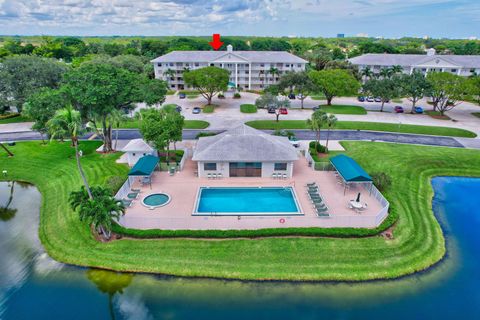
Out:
{"x": 244, "y": 144}
{"x": 385, "y": 59}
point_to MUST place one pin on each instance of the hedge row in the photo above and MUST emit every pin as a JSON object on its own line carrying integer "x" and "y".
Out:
{"x": 271, "y": 232}
{"x": 9, "y": 116}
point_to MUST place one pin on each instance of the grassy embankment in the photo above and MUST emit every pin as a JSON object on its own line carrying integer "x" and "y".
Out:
{"x": 361, "y": 125}
{"x": 418, "y": 241}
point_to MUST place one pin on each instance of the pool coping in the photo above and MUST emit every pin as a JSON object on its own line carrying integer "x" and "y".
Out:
{"x": 246, "y": 214}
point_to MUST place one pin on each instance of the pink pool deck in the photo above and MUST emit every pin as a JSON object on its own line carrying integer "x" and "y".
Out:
{"x": 183, "y": 189}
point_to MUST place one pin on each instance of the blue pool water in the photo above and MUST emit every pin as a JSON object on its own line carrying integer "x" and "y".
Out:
{"x": 247, "y": 200}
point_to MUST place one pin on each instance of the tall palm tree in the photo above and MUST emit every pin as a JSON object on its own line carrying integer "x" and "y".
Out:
{"x": 385, "y": 73}
{"x": 396, "y": 69}
{"x": 99, "y": 211}
{"x": 367, "y": 73}
{"x": 331, "y": 122}
{"x": 68, "y": 122}
{"x": 169, "y": 73}
{"x": 316, "y": 123}
{"x": 274, "y": 72}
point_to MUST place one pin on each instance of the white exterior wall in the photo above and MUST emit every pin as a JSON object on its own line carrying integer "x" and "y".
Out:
{"x": 133, "y": 157}
{"x": 466, "y": 72}
{"x": 224, "y": 169}
{"x": 256, "y": 72}
{"x": 268, "y": 169}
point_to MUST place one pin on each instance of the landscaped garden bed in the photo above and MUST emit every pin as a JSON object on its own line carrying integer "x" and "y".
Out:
{"x": 248, "y": 108}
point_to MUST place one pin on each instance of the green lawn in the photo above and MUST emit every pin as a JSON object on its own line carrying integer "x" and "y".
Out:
{"x": 476, "y": 114}
{"x": 318, "y": 97}
{"x": 360, "y": 125}
{"x": 343, "y": 109}
{"x": 15, "y": 120}
{"x": 192, "y": 96}
{"x": 209, "y": 108}
{"x": 437, "y": 115}
{"x": 248, "y": 108}
{"x": 188, "y": 124}
{"x": 418, "y": 241}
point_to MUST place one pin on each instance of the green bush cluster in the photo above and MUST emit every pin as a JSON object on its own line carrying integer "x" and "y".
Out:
{"x": 271, "y": 232}
{"x": 205, "y": 134}
{"x": 381, "y": 180}
{"x": 319, "y": 147}
{"x": 236, "y": 95}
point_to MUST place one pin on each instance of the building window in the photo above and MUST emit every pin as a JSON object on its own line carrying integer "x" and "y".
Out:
{"x": 424, "y": 69}
{"x": 171, "y": 64}
{"x": 197, "y": 64}
{"x": 212, "y": 64}
{"x": 173, "y": 86}
{"x": 287, "y": 65}
{"x": 299, "y": 65}
{"x": 159, "y": 64}
{"x": 262, "y": 65}
{"x": 280, "y": 166}
{"x": 454, "y": 70}
{"x": 133, "y": 154}
{"x": 209, "y": 166}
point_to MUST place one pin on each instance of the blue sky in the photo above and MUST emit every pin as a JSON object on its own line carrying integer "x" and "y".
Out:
{"x": 387, "y": 18}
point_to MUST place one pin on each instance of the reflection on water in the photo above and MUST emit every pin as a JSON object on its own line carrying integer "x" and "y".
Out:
{"x": 33, "y": 284}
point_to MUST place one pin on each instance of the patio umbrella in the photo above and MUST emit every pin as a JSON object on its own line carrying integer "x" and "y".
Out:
{"x": 358, "y": 197}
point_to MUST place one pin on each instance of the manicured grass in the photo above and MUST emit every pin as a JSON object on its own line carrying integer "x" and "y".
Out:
{"x": 343, "y": 109}
{"x": 360, "y": 125}
{"x": 192, "y": 96}
{"x": 15, "y": 120}
{"x": 188, "y": 124}
{"x": 437, "y": 115}
{"x": 317, "y": 97}
{"x": 248, "y": 108}
{"x": 208, "y": 108}
{"x": 418, "y": 240}
{"x": 397, "y": 100}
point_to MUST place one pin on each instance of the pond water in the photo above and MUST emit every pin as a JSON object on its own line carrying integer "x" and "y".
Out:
{"x": 34, "y": 286}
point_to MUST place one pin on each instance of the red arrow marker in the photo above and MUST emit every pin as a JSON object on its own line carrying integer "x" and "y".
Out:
{"x": 216, "y": 43}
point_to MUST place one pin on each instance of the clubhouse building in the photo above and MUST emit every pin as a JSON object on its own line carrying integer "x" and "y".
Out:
{"x": 462, "y": 65}
{"x": 249, "y": 70}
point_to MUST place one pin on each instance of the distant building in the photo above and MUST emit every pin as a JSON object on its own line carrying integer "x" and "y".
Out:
{"x": 248, "y": 69}
{"x": 340, "y": 35}
{"x": 462, "y": 65}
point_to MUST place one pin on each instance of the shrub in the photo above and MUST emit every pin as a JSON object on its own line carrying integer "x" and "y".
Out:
{"x": 205, "y": 134}
{"x": 221, "y": 96}
{"x": 169, "y": 107}
{"x": 236, "y": 95}
{"x": 248, "y": 108}
{"x": 381, "y": 180}
{"x": 284, "y": 133}
{"x": 9, "y": 116}
{"x": 320, "y": 148}
{"x": 114, "y": 183}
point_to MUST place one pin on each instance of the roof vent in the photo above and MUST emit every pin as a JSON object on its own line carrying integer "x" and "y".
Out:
{"x": 229, "y": 48}
{"x": 431, "y": 52}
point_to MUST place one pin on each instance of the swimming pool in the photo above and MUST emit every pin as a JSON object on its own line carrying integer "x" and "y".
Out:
{"x": 247, "y": 201}
{"x": 156, "y": 200}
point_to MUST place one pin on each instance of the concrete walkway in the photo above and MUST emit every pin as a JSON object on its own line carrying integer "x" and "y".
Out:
{"x": 16, "y": 127}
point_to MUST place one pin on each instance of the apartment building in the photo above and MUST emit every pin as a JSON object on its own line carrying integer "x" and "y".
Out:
{"x": 249, "y": 70}
{"x": 461, "y": 65}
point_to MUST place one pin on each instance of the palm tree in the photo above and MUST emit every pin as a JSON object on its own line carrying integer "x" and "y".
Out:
{"x": 7, "y": 213}
{"x": 68, "y": 122}
{"x": 99, "y": 211}
{"x": 367, "y": 73}
{"x": 396, "y": 69}
{"x": 274, "y": 72}
{"x": 316, "y": 122}
{"x": 169, "y": 73}
{"x": 331, "y": 122}
{"x": 385, "y": 73}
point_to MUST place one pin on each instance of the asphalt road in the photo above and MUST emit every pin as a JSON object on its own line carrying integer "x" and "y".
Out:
{"x": 300, "y": 134}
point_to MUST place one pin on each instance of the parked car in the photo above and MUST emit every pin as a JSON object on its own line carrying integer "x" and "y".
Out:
{"x": 182, "y": 95}
{"x": 291, "y": 96}
{"x": 377, "y": 99}
{"x": 370, "y": 99}
{"x": 196, "y": 110}
{"x": 418, "y": 110}
{"x": 315, "y": 108}
{"x": 361, "y": 98}
{"x": 271, "y": 110}
{"x": 300, "y": 96}
{"x": 283, "y": 111}
{"x": 178, "y": 108}
{"x": 398, "y": 109}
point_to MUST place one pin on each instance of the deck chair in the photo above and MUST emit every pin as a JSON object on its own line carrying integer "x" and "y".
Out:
{"x": 132, "y": 195}
{"x": 127, "y": 203}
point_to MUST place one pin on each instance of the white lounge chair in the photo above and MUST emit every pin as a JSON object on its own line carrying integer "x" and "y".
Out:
{"x": 214, "y": 175}
{"x": 209, "y": 176}
{"x": 274, "y": 175}
{"x": 284, "y": 176}
{"x": 219, "y": 176}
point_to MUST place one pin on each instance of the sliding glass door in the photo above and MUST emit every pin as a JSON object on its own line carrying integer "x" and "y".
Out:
{"x": 245, "y": 169}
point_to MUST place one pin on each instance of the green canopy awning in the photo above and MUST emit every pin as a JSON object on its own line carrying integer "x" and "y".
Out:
{"x": 349, "y": 169}
{"x": 232, "y": 85}
{"x": 144, "y": 166}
